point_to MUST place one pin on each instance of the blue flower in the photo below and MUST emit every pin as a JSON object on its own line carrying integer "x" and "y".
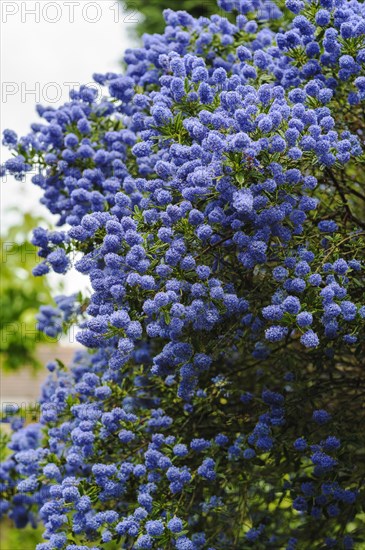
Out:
{"x": 154, "y": 527}
{"x": 304, "y": 319}
{"x": 180, "y": 450}
{"x": 291, "y": 304}
{"x": 10, "y": 138}
{"x": 248, "y": 454}
{"x": 175, "y": 525}
{"x": 321, "y": 416}
{"x": 323, "y": 461}
{"x": 300, "y": 504}
{"x": 309, "y": 339}
{"x": 276, "y": 333}
{"x": 323, "y": 17}
{"x": 144, "y": 541}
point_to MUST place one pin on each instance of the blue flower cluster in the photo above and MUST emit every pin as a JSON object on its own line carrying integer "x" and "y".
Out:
{"x": 211, "y": 197}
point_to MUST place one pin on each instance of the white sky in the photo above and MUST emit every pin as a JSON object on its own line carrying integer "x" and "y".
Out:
{"x": 45, "y": 46}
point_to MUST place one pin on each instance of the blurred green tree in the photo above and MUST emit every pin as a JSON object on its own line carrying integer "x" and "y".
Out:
{"x": 152, "y": 11}
{"x": 21, "y": 295}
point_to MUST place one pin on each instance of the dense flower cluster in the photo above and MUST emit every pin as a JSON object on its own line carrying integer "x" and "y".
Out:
{"x": 212, "y": 198}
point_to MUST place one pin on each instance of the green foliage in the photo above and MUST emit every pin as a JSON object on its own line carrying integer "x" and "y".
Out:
{"x": 19, "y": 539}
{"x": 150, "y": 18}
{"x": 21, "y": 296}
{"x": 4, "y": 440}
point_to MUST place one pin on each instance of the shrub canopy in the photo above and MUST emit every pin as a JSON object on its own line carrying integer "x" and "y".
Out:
{"x": 214, "y": 197}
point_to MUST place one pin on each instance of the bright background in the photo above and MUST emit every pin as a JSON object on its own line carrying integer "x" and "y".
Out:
{"x": 46, "y": 56}
{"x": 39, "y": 61}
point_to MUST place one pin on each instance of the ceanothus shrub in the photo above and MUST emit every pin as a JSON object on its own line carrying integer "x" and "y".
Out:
{"x": 214, "y": 196}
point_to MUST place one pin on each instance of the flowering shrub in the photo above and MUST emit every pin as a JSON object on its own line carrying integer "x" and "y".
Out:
{"x": 214, "y": 198}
